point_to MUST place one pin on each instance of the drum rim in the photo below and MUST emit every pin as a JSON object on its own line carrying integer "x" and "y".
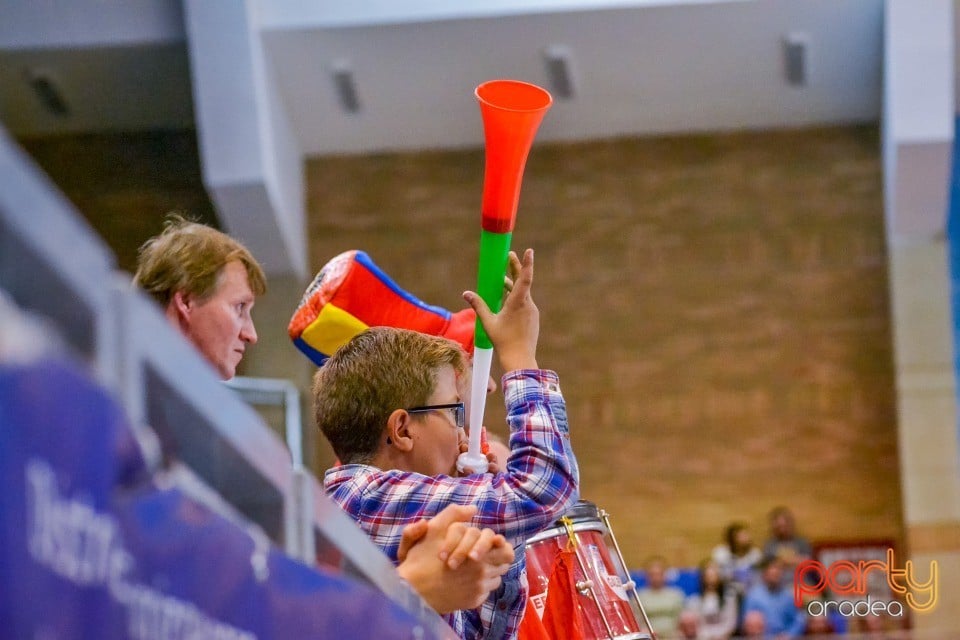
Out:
{"x": 559, "y": 529}
{"x": 584, "y": 505}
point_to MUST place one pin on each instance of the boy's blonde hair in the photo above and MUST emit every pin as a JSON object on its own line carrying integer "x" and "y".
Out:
{"x": 377, "y": 372}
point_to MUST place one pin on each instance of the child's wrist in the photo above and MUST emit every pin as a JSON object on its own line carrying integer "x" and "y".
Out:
{"x": 517, "y": 361}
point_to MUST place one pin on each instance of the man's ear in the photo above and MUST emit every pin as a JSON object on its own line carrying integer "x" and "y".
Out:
{"x": 398, "y": 430}
{"x": 182, "y": 303}
{"x": 178, "y": 310}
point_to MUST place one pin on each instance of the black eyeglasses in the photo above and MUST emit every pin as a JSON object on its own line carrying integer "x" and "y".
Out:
{"x": 457, "y": 407}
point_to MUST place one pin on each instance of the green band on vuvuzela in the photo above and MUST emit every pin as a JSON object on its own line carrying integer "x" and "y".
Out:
{"x": 494, "y": 248}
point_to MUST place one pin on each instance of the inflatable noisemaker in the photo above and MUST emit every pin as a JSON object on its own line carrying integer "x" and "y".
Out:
{"x": 511, "y": 112}
{"x": 351, "y": 294}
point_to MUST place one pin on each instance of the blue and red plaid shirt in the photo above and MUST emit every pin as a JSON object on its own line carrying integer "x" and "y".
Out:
{"x": 541, "y": 481}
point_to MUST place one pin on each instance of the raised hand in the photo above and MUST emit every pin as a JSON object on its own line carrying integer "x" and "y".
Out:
{"x": 514, "y": 331}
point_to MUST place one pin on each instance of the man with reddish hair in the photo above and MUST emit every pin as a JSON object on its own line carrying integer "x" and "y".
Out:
{"x": 207, "y": 284}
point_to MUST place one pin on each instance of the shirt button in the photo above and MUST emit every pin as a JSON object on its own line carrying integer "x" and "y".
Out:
{"x": 502, "y": 606}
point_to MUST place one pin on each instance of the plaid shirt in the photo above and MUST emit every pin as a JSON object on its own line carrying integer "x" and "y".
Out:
{"x": 540, "y": 483}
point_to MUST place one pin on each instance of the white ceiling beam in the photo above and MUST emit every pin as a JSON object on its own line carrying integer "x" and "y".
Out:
{"x": 252, "y": 164}
{"x": 296, "y": 14}
{"x": 43, "y": 24}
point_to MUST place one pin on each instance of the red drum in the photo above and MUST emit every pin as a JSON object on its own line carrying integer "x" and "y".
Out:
{"x": 576, "y": 586}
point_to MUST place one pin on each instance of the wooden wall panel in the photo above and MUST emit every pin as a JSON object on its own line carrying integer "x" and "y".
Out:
{"x": 716, "y": 306}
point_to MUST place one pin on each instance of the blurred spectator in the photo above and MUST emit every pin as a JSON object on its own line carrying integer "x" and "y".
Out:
{"x": 754, "y": 625}
{"x": 828, "y": 621}
{"x": 715, "y": 604}
{"x": 774, "y": 600}
{"x": 688, "y": 625}
{"x": 662, "y": 603}
{"x": 874, "y": 627}
{"x": 737, "y": 558}
{"x": 818, "y": 626}
{"x": 784, "y": 543}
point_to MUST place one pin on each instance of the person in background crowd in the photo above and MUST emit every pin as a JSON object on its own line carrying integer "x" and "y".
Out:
{"x": 715, "y": 604}
{"x": 688, "y": 626}
{"x": 874, "y": 626}
{"x": 737, "y": 557}
{"x": 818, "y": 626}
{"x": 662, "y": 602}
{"x": 784, "y": 542}
{"x": 206, "y": 284}
{"x": 774, "y": 599}
{"x": 754, "y": 625}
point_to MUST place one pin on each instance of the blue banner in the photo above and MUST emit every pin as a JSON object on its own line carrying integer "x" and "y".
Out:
{"x": 90, "y": 547}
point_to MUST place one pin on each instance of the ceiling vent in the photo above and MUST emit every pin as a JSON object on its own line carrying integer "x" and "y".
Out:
{"x": 346, "y": 87}
{"x": 559, "y": 73}
{"x": 47, "y": 92}
{"x": 795, "y": 53}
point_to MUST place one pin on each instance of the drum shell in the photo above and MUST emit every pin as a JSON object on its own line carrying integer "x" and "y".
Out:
{"x": 603, "y": 595}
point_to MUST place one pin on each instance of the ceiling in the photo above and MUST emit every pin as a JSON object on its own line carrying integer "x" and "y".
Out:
{"x": 258, "y": 79}
{"x": 635, "y": 67}
{"x": 636, "y": 70}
